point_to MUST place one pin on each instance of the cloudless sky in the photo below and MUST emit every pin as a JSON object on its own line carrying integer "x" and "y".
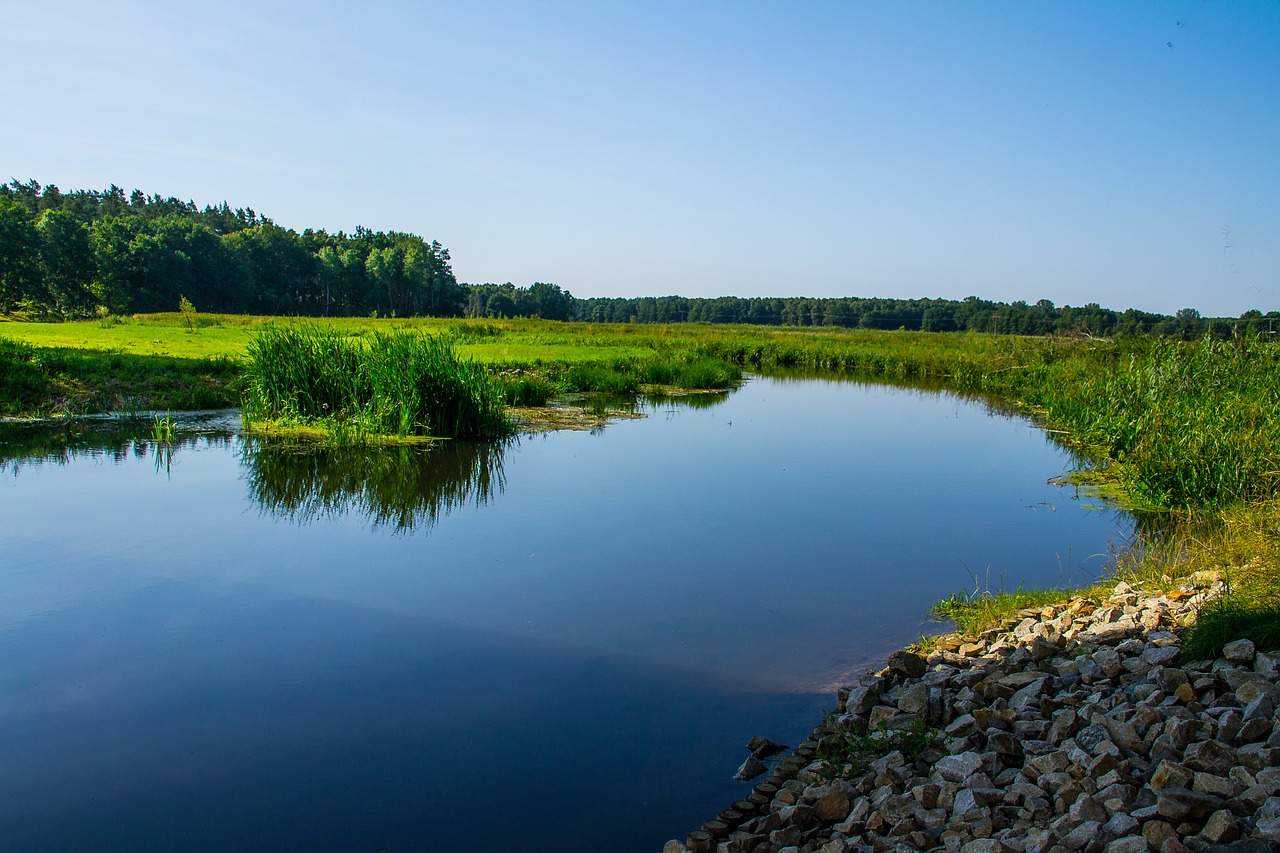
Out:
{"x": 1120, "y": 153}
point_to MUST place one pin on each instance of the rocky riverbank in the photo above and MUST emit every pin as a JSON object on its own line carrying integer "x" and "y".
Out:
{"x": 1080, "y": 727}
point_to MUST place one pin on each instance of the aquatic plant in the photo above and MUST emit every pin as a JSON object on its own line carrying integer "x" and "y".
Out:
{"x": 403, "y": 383}
{"x": 162, "y": 429}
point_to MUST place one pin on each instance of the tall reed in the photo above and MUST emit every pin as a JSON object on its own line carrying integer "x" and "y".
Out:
{"x": 401, "y": 383}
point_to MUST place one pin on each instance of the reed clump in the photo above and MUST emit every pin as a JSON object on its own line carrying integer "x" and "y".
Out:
{"x": 401, "y": 383}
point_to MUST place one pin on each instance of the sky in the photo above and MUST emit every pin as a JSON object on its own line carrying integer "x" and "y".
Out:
{"x": 1120, "y": 153}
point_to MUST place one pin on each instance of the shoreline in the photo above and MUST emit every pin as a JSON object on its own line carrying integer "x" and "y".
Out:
{"x": 1078, "y": 726}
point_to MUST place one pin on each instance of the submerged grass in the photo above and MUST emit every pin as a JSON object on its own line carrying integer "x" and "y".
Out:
{"x": 403, "y": 383}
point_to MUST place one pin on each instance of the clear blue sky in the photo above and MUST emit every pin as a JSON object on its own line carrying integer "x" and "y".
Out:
{"x": 1121, "y": 153}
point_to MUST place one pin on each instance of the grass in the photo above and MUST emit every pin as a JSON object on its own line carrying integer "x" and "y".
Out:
{"x": 846, "y": 750}
{"x": 975, "y": 612}
{"x": 401, "y": 383}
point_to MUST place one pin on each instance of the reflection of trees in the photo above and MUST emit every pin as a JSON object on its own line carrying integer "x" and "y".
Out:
{"x": 401, "y": 487}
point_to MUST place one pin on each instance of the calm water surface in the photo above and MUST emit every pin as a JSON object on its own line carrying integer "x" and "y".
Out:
{"x": 551, "y": 644}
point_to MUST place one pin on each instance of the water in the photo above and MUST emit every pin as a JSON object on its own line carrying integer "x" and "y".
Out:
{"x": 562, "y": 644}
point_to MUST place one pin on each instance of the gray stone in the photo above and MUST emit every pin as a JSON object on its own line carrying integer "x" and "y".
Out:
{"x": 1177, "y": 804}
{"x": 1261, "y": 708}
{"x": 1239, "y": 651}
{"x": 915, "y": 699}
{"x": 907, "y": 663}
{"x": 1170, "y": 774}
{"x": 1122, "y": 824}
{"x": 750, "y": 769}
{"x": 1221, "y": 827}
{"x": 863, "y": 698}
{"x": 1210, "y": 756}
{"x": 1028, "y": 697}
{"x": 984, "y": 845}
{"x": 1130, "y": 844}
{"x": 957, "y": 768}
{"x": 1077, "y": 838}
{"x": 1161, "y": 655}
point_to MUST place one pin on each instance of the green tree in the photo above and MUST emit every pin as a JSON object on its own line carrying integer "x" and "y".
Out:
{"x": 19, "y": 256}
{"x": 67, "y": 262}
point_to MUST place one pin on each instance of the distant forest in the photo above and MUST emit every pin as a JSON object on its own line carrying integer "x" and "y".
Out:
{"x": 87, "y": 252}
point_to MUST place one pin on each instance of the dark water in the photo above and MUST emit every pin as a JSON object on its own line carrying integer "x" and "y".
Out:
{"x": 562, "y": 644}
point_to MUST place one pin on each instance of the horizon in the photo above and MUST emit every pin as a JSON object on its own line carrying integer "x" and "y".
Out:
{"x": 1079, "y": 153}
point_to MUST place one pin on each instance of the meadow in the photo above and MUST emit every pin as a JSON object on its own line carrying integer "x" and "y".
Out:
{"x": 1186, "y": 433}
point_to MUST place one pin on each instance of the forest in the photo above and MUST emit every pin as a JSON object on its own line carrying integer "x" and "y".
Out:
{"x": 89, "y": 253}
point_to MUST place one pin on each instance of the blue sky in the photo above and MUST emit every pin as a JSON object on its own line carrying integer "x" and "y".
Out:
{"x": 1120, "y": 153}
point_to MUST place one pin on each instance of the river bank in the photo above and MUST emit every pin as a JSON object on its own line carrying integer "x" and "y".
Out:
{"x": 1078, "y": 727}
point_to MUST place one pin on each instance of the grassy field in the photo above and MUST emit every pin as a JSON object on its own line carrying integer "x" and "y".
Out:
{"x": 1187, "y": 432}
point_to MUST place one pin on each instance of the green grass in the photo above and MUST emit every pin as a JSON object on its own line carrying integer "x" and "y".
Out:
{"x": 846, "y": 750}
{"x": 976, "y": 612}
{"x": 401, "y": 383}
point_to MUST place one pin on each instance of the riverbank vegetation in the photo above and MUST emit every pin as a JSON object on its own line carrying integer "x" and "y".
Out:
{"x": 402, "y": 384}
{"x": 1185, "y": 432}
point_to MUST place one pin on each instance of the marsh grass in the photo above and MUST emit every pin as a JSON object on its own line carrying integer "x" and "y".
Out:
{"x": 398, "y": 383}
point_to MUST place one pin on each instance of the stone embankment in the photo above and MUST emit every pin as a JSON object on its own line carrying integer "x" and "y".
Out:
{"x": 1081, "y": 728}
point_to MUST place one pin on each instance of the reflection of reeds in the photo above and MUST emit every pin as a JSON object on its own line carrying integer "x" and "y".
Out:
{"x": 405, "y": 488}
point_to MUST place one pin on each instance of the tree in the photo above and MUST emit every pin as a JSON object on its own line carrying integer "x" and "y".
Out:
{"x": 67, "y": 262}
{"x": 19, "y": 256}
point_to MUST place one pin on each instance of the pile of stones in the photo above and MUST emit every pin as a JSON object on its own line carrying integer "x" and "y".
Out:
{"x": 1081, "y": 727}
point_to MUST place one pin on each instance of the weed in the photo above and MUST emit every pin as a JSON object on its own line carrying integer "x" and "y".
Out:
{"x": 162, "y": 429}
{"x": 845, "y": 751}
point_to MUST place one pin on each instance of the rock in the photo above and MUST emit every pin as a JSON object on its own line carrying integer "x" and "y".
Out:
{"x": 984, "y": 845}
{"x": 1176, "y": 804}
{"x": 832, "y": 807}
{"x": 915, "y": 699}
{"x": 1028, "y": 697}
{"x": 1221, "y": 827}
{"x": 1160, "y": 655}
{"x": 1169, "y": 774}
{"x": 1130, "y": 844}
{"x": 958, "y": 768}
{"x": 1239, "y": 651}
{"x": 750, "y": 769}
{"x": 1210, "y": 756}
{"x": 907, "y": 663}
{"x": 1077, "y": 838}
{"x": 863, "y": 698}
{"x": 762, "y": 747}
{"x": 1156, "y": 832}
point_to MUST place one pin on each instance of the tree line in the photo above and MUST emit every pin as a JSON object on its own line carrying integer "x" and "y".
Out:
{"x": 74, "y": 254}
{"x": 78, "y": 253}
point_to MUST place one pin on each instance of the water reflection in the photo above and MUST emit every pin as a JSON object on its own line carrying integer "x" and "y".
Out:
{"x": 403, "y": 488}
{"x": 28, "y": 445}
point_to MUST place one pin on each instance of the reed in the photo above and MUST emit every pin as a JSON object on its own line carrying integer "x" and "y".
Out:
{"x": 401, "y": 383}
